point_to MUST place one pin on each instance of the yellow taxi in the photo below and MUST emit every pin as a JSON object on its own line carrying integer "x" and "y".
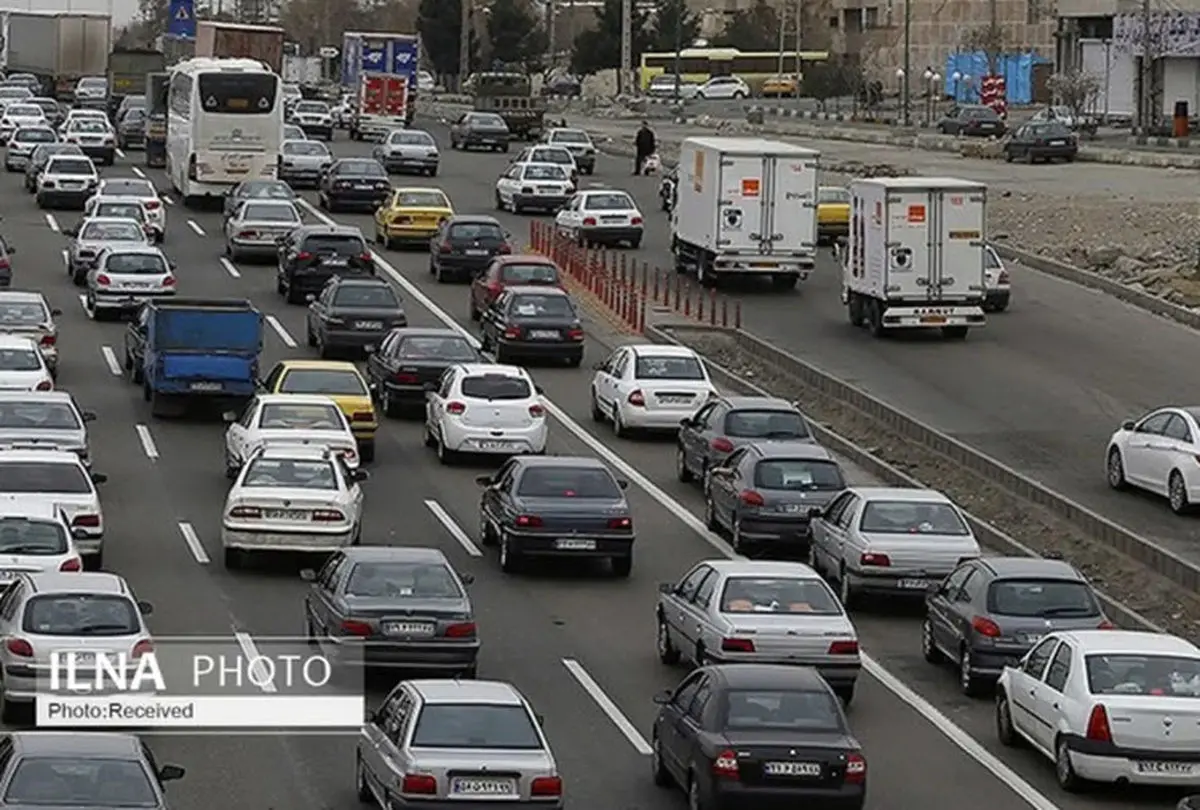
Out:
{"x": 833, "y": 213}
{"x": 339, "y": 381}
{"x": 411, "y": 215}
{"x": 780, "y": 87}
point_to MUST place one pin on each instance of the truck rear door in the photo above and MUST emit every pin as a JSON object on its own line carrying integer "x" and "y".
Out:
{"x": 792, "y": 205}
{"x": 396, "y": 104}
{"x": 910, "y": 265}
{"x": 742, "y": 204}
{"x": 374, "y": 95}
{"x": 959, "y": 267}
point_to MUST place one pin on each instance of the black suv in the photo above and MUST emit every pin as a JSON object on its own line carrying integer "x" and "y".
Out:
{"x": 312, "y": 254}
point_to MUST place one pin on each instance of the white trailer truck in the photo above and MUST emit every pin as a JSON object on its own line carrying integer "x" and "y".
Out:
{"x": 745, "y": 207}
{"x": 915, "y": 255}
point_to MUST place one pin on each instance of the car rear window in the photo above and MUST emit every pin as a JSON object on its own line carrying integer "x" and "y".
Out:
{"x": 331, "y": 382}
{"x": 608, "y": 202}
{"x": 121, "y": 211}
{"x": 44, "y": 476}
{"x": 364, "y": 296}
{"x": 487, "y": 121}
{"x": 781, "y": 710}
{"x": 542, "y": 306}
{"x": 35, "y": 136}
{"x": 279, "y": 416}
{"x": 112, "y": 232}
{"x": 568, "y": 482}
{"x": 544, "y": 171}
{"x": 268, "y": 212}
{"x": 341, "y": 244}
{"x": 1042, "y": 598}
{"x": 401, "y": 580}
{"x": 571, "y": 136}
{"x": 20, "y": 535}
{"x": 23, "y": 313}
{"x": 475, "y": 725}
{"x": 422, "y": 199}
{"x": 531, "y": 273}
{"x": 912, "y": 517}
{"x": 496, "y": 387}
{"x": 450, "y": 349}
{"x": 981, "y": 114}
{"x": 290, "y": 473}
{"x": 828, "y": 194}
{"x": 20, "y": 359}
{"x": 38, "y": 415}
{"x": 799, "y": 475}
{"x": 64, "y": 781}
{"x": 80, "y": 614}
{"x": 305, "y": 148}
{"x": 360, "y": 168}
{"x": 136, "y": 264}
{"x": 668, "y": 367}
{"x": 128, "y": 188}
{"x": 1148, "y": 675}
{"x": 765, "y": 424}
{"x": 788, "y": 595}
{"x": 475, "y": 230}
{"x": 71, "y": 166}
{"x": 412, "y": 138}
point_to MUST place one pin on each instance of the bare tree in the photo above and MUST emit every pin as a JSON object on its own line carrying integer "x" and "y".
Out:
{"x": 1075, "y": 89}
{"x": 988, "y": 38}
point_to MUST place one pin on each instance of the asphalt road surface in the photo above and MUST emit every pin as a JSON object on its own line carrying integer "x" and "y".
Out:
{"x": 927, "y": 746}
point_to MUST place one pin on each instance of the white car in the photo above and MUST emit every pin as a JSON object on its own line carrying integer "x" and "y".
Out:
{"x": 525, "y": 186}
{"x": 663, "y": 86}
{"x": 1158, "y": 453}
{"x": 95, "y": 137}
{"x": 292, "y": 498}
{"x": 649, "y": 387}
{"x": 67, "y": 180}
{"x": 997, "y": 282}
{"x": 23, "y": 142}
{"x": 425, "y": 82}
{"x": 143, "y": 190}
{"x": 60, "y": 479}
{"x": 35, "y": 537}
{"x": 485, "y": 409}
{"x": 543, "y": 153}
{"x": 23, "y": 367}
{"x": 288, "y": 419}
{"x": 578, "y": 142}
{"x": 724, "y": 87}
{"x": 314, "y": 117}
{"x": 1106, "y": 706}
{"x": 603, "y": 217}
{"x": 18, "y": 116}
{"x": 80, "y": 113}
{"x": 30, "y": 315}
{"x": 122, "y": 279}
{"x": 291, "y": 132}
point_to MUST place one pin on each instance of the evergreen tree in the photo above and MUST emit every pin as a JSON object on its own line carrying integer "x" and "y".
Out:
{"x": 513, "y": 32}
{"x": 600, "y": 47}
{"x": 672, "y": 23}
{"x": 752, "y": 29}
{"x": 439, "y": 23}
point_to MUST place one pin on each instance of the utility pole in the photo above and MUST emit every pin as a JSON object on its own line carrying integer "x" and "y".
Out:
{"x": 551, "y": 24}
{"x": 1143, "y": 111}
{"x": 799, "y": 25}
{"x": 464, "y": 43}
{"x": 624, "y": 77}
{"x": 781, "y": 16}
{"x": 908, "y": 59}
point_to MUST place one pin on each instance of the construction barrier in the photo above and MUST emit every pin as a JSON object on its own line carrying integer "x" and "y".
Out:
{"x": 628, "y": 288}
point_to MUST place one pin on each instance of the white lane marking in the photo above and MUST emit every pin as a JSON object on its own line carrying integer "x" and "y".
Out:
{"x": 110, "y": 360}
{"x": 229, "y": 268}
{"x": 607, "y": 706}
{"x": 192, "y": 540}
{"x": 52, "y": 223}
{"x": 452, "y": 526}
{"x": 195, "y": 228}
{"x": 942, "y": 723}
{"x": 148, "y": 446}
{"x": 167, "y": 200}
{"x": 121, "y": 155}
{"x": 83, "y": 302}
{"x": 138, "y": 172}
{"x": 280, "y": 330}
{"x": 66, "y": 256}
{"x": 259, "y": 674}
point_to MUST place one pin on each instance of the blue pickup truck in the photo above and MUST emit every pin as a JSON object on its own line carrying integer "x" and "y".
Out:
{"x": 195, "y": 351}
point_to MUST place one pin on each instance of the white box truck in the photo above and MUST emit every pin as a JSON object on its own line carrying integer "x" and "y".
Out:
{"x": 915, "y": 255}
{"x": 745, "y": 206}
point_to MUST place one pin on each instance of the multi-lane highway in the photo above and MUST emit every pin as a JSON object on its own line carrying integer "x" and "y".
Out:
{"x": 581, "y": 648}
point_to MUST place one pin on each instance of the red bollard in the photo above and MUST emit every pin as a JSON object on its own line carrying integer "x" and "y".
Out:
{"x": 645, "y": 279}
{"x": 724, "y": 312}
{"x": 700, "y": 305}
{"x": 712, "y": 307}
{"x": 678, "y": 293}
{"x": 737, "y": 314}
{"x": 641, "y": 324}
{"x": 687, "y": 300}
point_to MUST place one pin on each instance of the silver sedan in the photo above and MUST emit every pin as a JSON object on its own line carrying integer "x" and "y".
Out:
{"x": 96, "y": 235}
{"x": 408, "y": 150}
{"x": 257, "y": 225}
{"x": 301, "y": 162}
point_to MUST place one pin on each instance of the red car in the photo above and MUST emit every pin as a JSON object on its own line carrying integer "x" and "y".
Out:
{"x": 508, "y": 271}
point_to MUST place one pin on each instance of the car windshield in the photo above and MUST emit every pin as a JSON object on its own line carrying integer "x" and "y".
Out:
{"x": 531, "y": 273}
{"x": 121, "y": 211}
{"x": 266, "y": 212}
{"x": 34, "y": 135}
{"x": 1050, "y": 129}
{"x": 781, "y": 710}
{"x": 544, "y": 171}
{"x": 136, "y": 264}
{"x": 981, "y": 114}
{"x": 44, "y": 476}
{"x": 314, "y": 148}
{"x": 496, "y": 387}
{"x": 765, "y": 424}
{"x": 128, "y": 188}
{"x": 112, "y": 232}
{"x": 493, "y": 121}
{"x": 608, "y": 202}
{"x": 799, "y": 475}
{"x": 335, "y": 243}
{"x": 88, "y": 125}
{"x": 22, "y": 313}
{"x": 571, "y": 136}
{"x": 24, "y": 111}
{"x": 667, "y": 367}
{"x": 552, "y": 156}
{"x": 266, "y": 188}
{"x": 71, "y": 166}
{"x": 475, "y": 726}
{"x": 14, "y": 359}
{"x": 1148, "y": 675}
{"x": 449, "y": 349}
{"x": 422, "y": 199}
{"x": 466, "y": 231}
{"x": 412, "y": 139}
{"x": 313, "y": 107}
{"x": 35, "y": 415}
{"x": 1043, "y": 598}
{"x": 778, "y": 595}
{"x": 542, "y": 306}
{"x": 81, "y": 614}
{"x": 43, "y": 154}
{"x": 416, "y": 580}
{"x": 79, "y": 782}
{"x": 290, "y": 474}
{"x": 912, "y": 517}
{"x": 20, "y": 535}
{"x": 828, "y": 194}
{"x": 366, "y": 296}
{"x": 360, "y": 168}
{"x": 293, "y": 133}
{"x": 568, "y": 482}
{"x": 18, "y": 93}
{"x": 280, "y": 416}
{"x": 334, "y": 382}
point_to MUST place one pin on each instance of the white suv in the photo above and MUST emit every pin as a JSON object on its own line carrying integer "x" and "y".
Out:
{"x": 485, "y": 409}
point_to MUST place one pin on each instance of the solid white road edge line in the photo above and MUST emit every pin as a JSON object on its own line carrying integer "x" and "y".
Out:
{"x": 192, "y": 541}
{"x": 110, "y": 360}
{"x": 607, "y": 706}
{"x": 52, "y": 223}
{"x": 282, "y": 331}
{"x": 229, "y": 268}
{"x": 138, "y": 172}
{"x": 147, "y": 441}
{"x": 952, "y": 732}
{"x": 452, "y": 526}
{"x": 258, "y": 670}
{"x": 195, "y": 228}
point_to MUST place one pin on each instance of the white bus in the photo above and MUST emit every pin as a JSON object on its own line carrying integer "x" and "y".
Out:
{"x": 224, "y": 125}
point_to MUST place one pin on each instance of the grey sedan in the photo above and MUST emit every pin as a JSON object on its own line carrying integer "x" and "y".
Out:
{"x": 256, "y": 226}
{"x": 97, "y": 235}
{"x": 301, "y": 162}
{"x": 393, "y": 607}
{"x": 256, "y": 189}
{"x": 725, "y": 424}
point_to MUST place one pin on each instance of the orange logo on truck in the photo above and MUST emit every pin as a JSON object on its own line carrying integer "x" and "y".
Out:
{"x": 750, "y": 186}
{"x": 916, "y": 214}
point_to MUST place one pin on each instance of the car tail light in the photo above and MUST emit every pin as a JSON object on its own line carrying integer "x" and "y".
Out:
{"x": 143, "y": 647}
{"x": 169, "y": 281}
{"x": 362, "y": 416}
{"x": 575, "y": 334}
{"x": 505, "y": 248}
{"x": 725, "y": 765}
{"x": 1098, "y": 729}
{"x": 512, "y": 332}
{"x": 741, "y": 645}
{"x": 404, "y": 378}
{"x": 73, "y": 564}
{"x": 856, "y": 769}
{"x": 537, "y": 411}
{"x": 843, "y": 648}
{"x": 247, "y": 234}
{"x": 986, "y": 627}
{"x": 461, "y": 630}
{"x": 546, "y": 786}
{"x": 303, "y": 256}
{"x": 721, "y": 445}
{"x": 635, "y": 221}
{"x": 419, "y": 783}
{"x": 751, "y": 498}
{"x": 103, "y": 280}
{"x": 328, "y": 516}
{"x": 19, "y": 646}
{"x": 86, "y": 522}
{"x": 456, "y": 408}
{"x": 1106, "y": 625}
{"x": 45, "y": 385}
{"x": 589, "y": 221}
{"x": 494, "y": 289}
{"x": 4, "y": 265}
{"x": 350, "y": 627}
{"x": 1002, "y": 278}
{"x": 876, "y": 560}
{"x": 349, "y": 453}
{"x": 528, "y": 521}
{"x": 636, "y": 398}
{"x": 366, "y": 257}
{"x": 48, "y": 340}
{"x": 622, "y": 523}
{"x": 153, "y": 205}
{"x": 245, "y": 512}
{"x": 446, "y": 247}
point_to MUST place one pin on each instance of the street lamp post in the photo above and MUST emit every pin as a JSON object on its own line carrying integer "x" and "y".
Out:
{"x": 902, "y": 85}
{"x": 907, "y": 58}
{"x": 956, "y": 77}
{"x": 678, "y": 94}
{"x": 932, "y": 78}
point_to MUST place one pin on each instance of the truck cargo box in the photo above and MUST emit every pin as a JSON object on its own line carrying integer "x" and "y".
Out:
{"x": 234, "y": 40}
{"x": 60, "y": 47}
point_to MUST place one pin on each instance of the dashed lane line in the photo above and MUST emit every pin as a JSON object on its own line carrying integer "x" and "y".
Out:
{"x": 83, "y": 304}
{"x": 259, "y": 674}
{"x": 451, "y": 525}
{"x": 66, "y": 257}
{"x": 192, "y": 541}
{"x": 110, "y": 360}
{"x": 282, "y": 331}
{"x": 51, "y": 222}
{"x": 138, "y": 172}
{"x": 120, "y": 154}
{"x": 229, "y": 267}
{"x": 614, "y": 713}
{"x": 147, "y": 441}
{"x": 196, "y": 228}
{"x": 167, "y": 199}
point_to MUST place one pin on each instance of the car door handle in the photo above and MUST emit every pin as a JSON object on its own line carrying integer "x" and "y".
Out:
{"x": 1055, "y": 706}
{"x": 1032, "y": 692}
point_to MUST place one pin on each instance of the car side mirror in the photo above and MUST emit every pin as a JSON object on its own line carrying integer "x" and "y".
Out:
{"x": 80, "y": 534}
{"x": 229, "y": 417}
{"x": 358, "y": 476}
{"x": 538, "y": 389}
{"x": 144, "y": 607}
{"x": 310, "y": 298}
{"x": 720, "y": 472}
{"x": 370, "y": 350}
{"x": 11, "y": 250}
{"x": 599, "y": 366}
{"x": 71, "y": 231}
{"x": 622, "y": 483}
{"x": 172, "y": 264}
{"x": 467, "y": 579}
{"x": 54, "y": 313}
{"x": 1128, "y": 424}
{"x": 308, "y": 575}
{"x": 685, "y": 423}
{"x": 815, "y": 512}
{"x": 169, "y": 773}
{"x": 663, "y": 697}
{"x": 666, "y": 587}
{"x": 483, "y": 480}
{"x": 541, "y": 721}
{"x": 99, "y": 478}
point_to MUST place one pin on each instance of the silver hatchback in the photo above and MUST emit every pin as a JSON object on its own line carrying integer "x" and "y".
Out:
{"x": 125, "y": 278}
{"x": 456, "y": 742}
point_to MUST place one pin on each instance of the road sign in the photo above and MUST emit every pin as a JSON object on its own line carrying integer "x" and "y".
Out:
{"x": 404, "y": 57}
{"x": 328, "y": 53}
{"x": 374, "y": 57}
{"x": 181, "y": 19}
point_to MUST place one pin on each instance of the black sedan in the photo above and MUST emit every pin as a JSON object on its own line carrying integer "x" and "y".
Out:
{"x": 557, "y": 507}
{"x": 464, "y": 246}
{"x": 356, "y": 183}
{"x": 256, "y": 190}
{"x": 972, "y": 120}
{"x": 479, "y": 130}
{"x": 757, "y": 736}
{"x": 352, "y": 314}
{"x": 1043, "y": 140}
{"x": 533, "y": 322}
{"x": 409, "y": 360}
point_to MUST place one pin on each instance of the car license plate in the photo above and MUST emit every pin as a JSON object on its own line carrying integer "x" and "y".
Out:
{"x": 473, "y": 786}
{"x": 285, "y": 514}
{"x": 543, "y": 334}
{"x": 487, "y": 445}
{"x": 1058, "y": 143}
{"x": 546, "y": 191}
{"x": 792, "y": 768}
{"x": 363, "y": 186}
{"x": 914, "y": 584}
{"x": 475, "y": 252}
{"x": 1031, "y": 638}
{"x": 574, "y": 544}
{"x": 790, "y": 508}
{"x": 81, "y": 659}
{"x": 423, "y": 629}
{"x": 1172, "y": 768}
{"x": 678, "y": 400}
{"x": 337, "y": 262}
{"x": 368, "y": 324}
{"x": 933, "y": 319}
{"x": 205, "y": 386}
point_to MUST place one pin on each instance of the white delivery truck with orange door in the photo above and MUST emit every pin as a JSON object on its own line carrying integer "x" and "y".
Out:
{"x": 915, "y": 258}
{"x": 745, "y": 207}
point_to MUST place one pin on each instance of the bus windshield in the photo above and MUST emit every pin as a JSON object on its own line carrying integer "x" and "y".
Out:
{"x": 238, "y": 93}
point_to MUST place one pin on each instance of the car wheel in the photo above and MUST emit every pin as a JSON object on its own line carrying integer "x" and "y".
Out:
{"x": 662, "y": 777}
{"x": 597, "y": 414}
{"x": 510, "y": 559}
{"x": 666, "y": 650}
{"x": 618, "y": 424}
{"x": 360, "y": 781}
{"x": 1005, "y": 732}
{"x": 681, "y": 469}
{"x": 1064, "y": 770}
{"x": 968, "y": 681}
{"x": 1177, "y": 495}
{"x": 929, "y": 650}
{"x": 1116, "y": 470}
{"x": 845, "y": 590}
{"x": 444, "y": 454}
{"x": 710, "y": 515}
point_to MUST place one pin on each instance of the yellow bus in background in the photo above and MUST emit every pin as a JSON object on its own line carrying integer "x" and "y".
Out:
{"x": 698, "y": 65}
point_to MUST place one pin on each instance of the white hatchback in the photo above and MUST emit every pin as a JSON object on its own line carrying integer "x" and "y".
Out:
{"x": 60, "y": 480}
{"x": 649, "y": 387}
{"x": 23, "y": 367}
{"x": 724, "y": 87}
{"x": 604, "y": 217}
{"x": 23, "y": 142}
{"x": 144, "y": 191}
{"x": 288, "y": 419}
{"x": 35, "y": 537}
{"x": 18, "y": 116}
{"x": 487, "y": 409}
